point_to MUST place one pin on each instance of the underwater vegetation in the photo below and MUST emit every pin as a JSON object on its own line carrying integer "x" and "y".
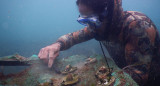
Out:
{"x": 76, "y": 70}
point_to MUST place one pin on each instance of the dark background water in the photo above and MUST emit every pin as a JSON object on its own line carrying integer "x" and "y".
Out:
{"x": 26, "y": 26}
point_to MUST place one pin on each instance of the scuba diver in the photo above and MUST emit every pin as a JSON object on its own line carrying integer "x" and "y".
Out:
{"x": 130, "y": 37}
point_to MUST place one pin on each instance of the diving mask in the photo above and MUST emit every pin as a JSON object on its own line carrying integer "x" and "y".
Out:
{"x": 91, "y": 20}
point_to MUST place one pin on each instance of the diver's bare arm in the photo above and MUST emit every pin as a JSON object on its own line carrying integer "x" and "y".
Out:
{"x": 71, "y": 39}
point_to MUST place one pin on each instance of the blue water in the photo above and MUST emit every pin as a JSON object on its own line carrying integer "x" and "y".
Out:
{"x": 26, "y": 26}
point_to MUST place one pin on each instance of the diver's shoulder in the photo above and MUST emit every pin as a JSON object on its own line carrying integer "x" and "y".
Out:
{"x": 135, "y": 15}
{"x": 138, "y": 24}
{"x": 132, "y": 16}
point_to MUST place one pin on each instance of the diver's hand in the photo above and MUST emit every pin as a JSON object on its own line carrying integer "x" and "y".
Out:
{"x": 49, "y": 53}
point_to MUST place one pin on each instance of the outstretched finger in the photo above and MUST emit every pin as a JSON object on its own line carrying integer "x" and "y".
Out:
{"x": 52, "y": 56}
